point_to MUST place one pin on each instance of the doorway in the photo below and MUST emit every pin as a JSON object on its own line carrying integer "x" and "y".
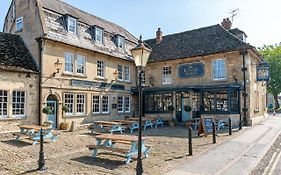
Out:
{"x": 52, "y": 103}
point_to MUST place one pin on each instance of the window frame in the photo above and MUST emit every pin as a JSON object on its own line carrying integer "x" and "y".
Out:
{"x": 120, "y": 72}
{"x": 120, "y": 40}
{"x": 2, "y": 104}
{"x": 122, "y": 105}
{"x": 67, "y": 63}
{"x": 78, "y": 102}
{"x": 99, "y": 104}
{"x": 102, "y": 104}
{"x": 67, "y": 104}
{"x": 129, "y": 104}
{"x": 14, "y": 114}
{"x": 98, "y": 34}
{"x": 19, "y": 20}
{"x": 167, "y": 75}
{"x": 69, "y": 18}
{"x": 218, "y": 73}
{"x": 100, "y": 69}
{"x": 78, "y": 65}
{"x": 127, "y": 76}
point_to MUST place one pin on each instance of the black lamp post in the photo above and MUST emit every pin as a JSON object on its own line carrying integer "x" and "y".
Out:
{"x": 140, "y": 54}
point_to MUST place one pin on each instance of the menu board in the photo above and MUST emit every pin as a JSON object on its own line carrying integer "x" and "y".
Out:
{"x": 206, "y": 125}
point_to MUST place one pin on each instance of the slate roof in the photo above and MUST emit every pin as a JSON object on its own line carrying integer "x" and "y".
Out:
{"x": 14, "y": 54}
{"x": 236, "y": 31}
{"x": 198, "y": 42}
{"x": 64, "y": 8}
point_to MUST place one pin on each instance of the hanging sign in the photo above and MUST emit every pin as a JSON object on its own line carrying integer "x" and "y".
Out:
{"x": 191, "y": 70}
{"x": 263, "y": 71}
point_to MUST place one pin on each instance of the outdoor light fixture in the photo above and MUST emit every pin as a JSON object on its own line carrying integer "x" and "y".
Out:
{"x": 58, "y": 65}
{"x": 140, "y": 55}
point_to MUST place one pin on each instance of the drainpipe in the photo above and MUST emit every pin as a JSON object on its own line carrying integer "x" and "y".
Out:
{"x": 40, "y": 46}
{"x": 244, "y": 52}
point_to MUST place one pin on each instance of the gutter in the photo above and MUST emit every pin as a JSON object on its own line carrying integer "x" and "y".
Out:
{"x": 244, "y": 52}
{"x": 40, "y": 44}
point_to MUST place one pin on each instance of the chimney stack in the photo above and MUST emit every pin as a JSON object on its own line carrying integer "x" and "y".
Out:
{"x": 158, "y": 36}
{"x": 226, "y": 23}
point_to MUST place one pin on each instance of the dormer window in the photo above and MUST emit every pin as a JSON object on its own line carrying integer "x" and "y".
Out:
{"x": 98, "y": 35}
{"x": 120, "y": 42}
{"x": 72, "y": 25}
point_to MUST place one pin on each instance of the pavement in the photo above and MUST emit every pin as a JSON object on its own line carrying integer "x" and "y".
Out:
{"x": 239, "y": 155}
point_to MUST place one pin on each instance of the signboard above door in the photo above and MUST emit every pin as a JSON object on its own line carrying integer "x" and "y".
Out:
{"x": 191, "y": 70}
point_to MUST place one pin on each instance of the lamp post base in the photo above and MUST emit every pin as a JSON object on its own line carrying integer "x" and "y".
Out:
{"x": 139, "y": 169}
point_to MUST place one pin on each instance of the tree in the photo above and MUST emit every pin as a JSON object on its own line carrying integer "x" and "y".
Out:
{"x": 272, "y": 54}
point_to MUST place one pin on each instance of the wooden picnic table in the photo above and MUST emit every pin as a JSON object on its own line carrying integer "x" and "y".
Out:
{"x": 110, "y": 126}
{"x": 108, "y": 142}
{"x": 145, "y": 121}
{"x": 131, "y": 124}
{"x": 33, "y": 132}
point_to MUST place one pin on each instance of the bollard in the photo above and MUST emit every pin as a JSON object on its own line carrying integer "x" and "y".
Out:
{"x": 214, "y": 132}
{"x": 190, "y": 141}
{"x": 230, "y": 126}
{"x": 41, "y": 161}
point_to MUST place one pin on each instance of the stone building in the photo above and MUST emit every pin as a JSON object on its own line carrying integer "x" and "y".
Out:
{"x": 18, "y": 84}
{"x": 203, "y": 69}
{"x": 91, "y": 52}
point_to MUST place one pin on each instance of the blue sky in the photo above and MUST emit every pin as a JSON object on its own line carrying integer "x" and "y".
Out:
{"x": 260, "y": 19}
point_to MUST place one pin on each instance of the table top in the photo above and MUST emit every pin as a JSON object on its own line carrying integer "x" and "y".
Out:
{"x": 118, "y": 137}
{"x": 35, "y": 127}
{"x": 109, "y": 123}
{"x": 137, "y": 119}
{"x": 125, "y": 121}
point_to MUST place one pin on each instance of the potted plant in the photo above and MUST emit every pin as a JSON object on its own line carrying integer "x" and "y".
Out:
{"x": 64, "y": 125}
{"x": 173, "y": 120}
{"x": 47, "y": 110}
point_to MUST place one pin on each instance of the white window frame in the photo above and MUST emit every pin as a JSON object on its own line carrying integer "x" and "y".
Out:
{"x": 167, "y": 75}
{"x": 120, "y": 109}
{"x": 80, "y": 104}
{"x": 20, "y": 102}
{"x": 83, "y": 60}
{"x": 102, "y": 104}
{"x": 219, "y": 69}
{"x": 68, "y": 103}
{"x": 66, "y": 62}
{"x": 129, "y": 104}
{"x": 127, "y": 76}
{"x": 98, "y": 35}
{"x": 2, "y": 102}
{"x": 100, "y": 69}
{"x": 18, "y": 22}
{"x": 120, "y": 42}
{"x": 69, "y": 19}
{"x": 98, "y": 104}
{"x": 120, "y": 72}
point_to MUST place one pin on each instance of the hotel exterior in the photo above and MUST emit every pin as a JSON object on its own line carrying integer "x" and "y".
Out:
{"x": 202, "y": 68}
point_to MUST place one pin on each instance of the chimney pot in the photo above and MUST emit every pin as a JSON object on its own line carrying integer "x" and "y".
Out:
{"x": 158, "y": 36}
{"x": 226, "y": 23}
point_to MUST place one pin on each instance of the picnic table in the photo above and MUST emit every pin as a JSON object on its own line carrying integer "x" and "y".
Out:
{"x": 33, "y": 132}
{"x": 108, "y": 142}
{"x": 146, "y": 122}
{"x": 131, "y": 124}
{"x": 110, "y": 126}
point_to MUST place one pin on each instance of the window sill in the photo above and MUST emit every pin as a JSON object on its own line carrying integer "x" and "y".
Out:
{"x": 123, "y": 81}
{"x": 100, "y": 114}
{"x": 101, "y": 78}
{"x": 74, "y": 75}
{"x": 13, "y": 119}
{"x": 221, "y": 80}
{"x": 75, "y": 116}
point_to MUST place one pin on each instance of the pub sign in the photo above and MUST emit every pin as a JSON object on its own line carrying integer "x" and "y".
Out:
{"x": 263, "y": 71}
{"x": 191, "y": 70}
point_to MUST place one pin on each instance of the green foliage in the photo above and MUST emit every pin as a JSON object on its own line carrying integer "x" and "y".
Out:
{"x": 64, "y": 108}
{"x": 187, "y": 108}
{"x": 171, "y": 108}
{"x": 47, "y": 110}
{"x": 272, "y": 54}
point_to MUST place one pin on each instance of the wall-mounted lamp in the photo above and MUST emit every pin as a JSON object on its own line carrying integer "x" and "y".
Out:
{"x": 58, "y": 65}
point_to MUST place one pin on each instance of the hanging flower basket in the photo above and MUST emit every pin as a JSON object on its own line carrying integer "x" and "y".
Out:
{"x": 187, "y": 108}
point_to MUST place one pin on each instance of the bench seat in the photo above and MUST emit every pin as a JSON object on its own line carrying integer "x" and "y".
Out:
{"x": 120, "y": 150}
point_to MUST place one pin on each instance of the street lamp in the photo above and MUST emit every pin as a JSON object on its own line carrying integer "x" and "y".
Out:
{"x": 58, "y": 65}
{"x": 140, "y": 55}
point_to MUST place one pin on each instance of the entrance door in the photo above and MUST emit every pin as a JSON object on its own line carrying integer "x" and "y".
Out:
{"x": 185, "y": 101}
{"x": 53, "y": 116}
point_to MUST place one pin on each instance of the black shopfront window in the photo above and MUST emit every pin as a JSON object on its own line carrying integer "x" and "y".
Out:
{"x": 220, "y": 101}
{"x": 155, "y": 103}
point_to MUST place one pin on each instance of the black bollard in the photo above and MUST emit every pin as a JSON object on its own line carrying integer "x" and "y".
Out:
{"x": 229, "y": 126}
{"x": 41, "y": 161}
{"x": 214, "y": 132}
{"x": 190, "y": 141}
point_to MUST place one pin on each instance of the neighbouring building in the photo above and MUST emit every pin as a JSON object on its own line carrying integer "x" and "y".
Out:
{"x": 203, "y": 69}
{"x": 92, "y": 52}
{"x": 18, "y": 84}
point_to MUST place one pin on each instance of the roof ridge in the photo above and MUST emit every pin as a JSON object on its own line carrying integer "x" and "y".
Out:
{"x": 179, "y": 33}
{"x": 88, "y": 13}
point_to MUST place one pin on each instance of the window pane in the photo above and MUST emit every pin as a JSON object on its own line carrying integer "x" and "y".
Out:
{"x": 120, "y": 104}
{"x": 127, "y": 104}
{"x": 209, "y": 101}
{"x": 3, "y": 103}
{"x": 96, "y": 104}
{"x": 222, "y": 101}
{"x": 68, "y": 62}
{"x": 105, "y": 104}
{"x": 18, "y": 103}
{"x": 80, "y": 103}
{"x": 69, "y": 102}
{"x": 120, "y": 72}
{"x": 100, "y": 68}
{"x": 72, "y": 25}
{"x": 166, "y": 75}
{"x": 219, "y": 69}
{"x": 167, "y": 101}
{"x": 99, "y": 35}
{"x": 80, "y": 64}
{"x": 127, "y": 73}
